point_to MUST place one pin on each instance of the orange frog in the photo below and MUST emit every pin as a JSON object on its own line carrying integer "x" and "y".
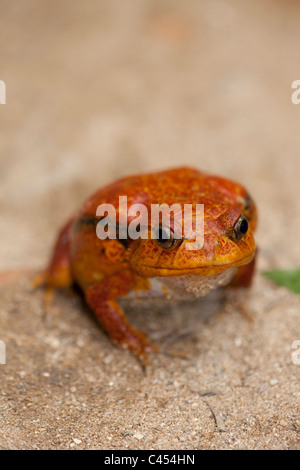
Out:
{"x": 107, "y": 270}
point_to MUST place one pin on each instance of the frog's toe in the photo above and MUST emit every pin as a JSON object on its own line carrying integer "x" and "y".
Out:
{"x": 138, "y": 344}
{"x": 39, "y": 280}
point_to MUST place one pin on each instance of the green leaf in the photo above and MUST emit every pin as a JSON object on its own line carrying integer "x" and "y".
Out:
{"x": 289, "y": 278}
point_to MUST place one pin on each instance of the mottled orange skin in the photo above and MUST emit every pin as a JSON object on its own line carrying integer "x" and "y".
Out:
{"x": 107, "y": 270}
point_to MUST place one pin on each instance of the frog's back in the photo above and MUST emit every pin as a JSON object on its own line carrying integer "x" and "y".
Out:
{"x": 184, "y": 185}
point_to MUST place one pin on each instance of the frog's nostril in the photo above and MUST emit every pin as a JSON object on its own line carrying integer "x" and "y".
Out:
{"x": 240, "y": 228}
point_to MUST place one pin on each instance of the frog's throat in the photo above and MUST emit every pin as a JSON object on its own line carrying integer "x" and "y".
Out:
{"x": 200, "y": 270}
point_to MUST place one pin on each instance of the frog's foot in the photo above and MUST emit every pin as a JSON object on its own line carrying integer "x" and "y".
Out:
{"x": 136, "y": 342}
{"x": 39, "y": 280}
{"x": 115, "y": 323}
{"x": 50, "y": 282}
{"x": 237, "y": 300}
{"x": 242, "y": 305}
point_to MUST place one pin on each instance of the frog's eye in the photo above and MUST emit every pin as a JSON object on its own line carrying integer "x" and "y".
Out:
{"x": 240, "y": 228}
{"x": 164, "y": 237}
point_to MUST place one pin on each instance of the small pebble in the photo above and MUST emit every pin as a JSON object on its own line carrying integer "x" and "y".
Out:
{"x": 108, "y": 359}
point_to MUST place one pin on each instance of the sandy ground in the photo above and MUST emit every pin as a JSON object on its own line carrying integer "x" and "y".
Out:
{"x": 96, "y": 90}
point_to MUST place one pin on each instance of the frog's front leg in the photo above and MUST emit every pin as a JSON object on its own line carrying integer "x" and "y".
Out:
{"x": 244, "y": 275}
{"x": 101, "y": 297}
{"x": 238, "y": 290}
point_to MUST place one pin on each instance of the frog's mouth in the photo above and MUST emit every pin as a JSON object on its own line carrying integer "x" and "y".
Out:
{"x": 207, "y": 270}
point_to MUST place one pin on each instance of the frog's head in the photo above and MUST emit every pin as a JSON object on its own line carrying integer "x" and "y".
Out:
{"x": 228, "y": 242}
{"x": 229, "y": 221}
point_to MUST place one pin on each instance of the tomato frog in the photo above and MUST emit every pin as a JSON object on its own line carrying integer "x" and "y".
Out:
{"x": 107, "y": 270}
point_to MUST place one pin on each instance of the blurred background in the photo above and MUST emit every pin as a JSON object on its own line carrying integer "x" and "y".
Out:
{"x": 101, "y": 89}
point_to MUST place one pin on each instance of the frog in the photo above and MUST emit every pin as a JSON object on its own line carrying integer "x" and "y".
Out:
{"x": 112, "y": 269}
